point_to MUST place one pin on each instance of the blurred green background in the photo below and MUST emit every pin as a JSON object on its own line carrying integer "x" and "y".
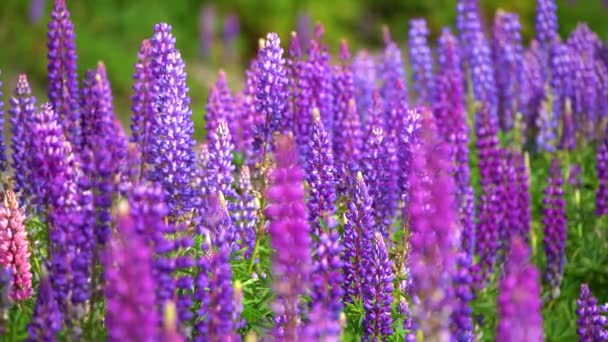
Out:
{"x": 111, "y": 30}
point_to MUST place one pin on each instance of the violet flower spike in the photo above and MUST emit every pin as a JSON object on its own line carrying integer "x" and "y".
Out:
{"x": 289, "y": 232}
{"x": 364, "y": 78}
{"x": 246, "y": 213}
{"x": 546, "y": 23}
{"x": 589, "y": 324}
{"x": 391, "y": 72}
{"x": 220, "y": 106}
{"x": 321, "y": 85}
{"x": 421, "y": 60}
{"x": 601, "y": 169}
{"x": 46, "y": 321}
{"x": 461, "y": 324}
{"x": 3, "y": 161}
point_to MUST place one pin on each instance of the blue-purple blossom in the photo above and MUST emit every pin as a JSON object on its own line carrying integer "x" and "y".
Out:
{"x": 590, "y": 325}
{"x": 546, "y": 23}
{"x": 364, "y": 78}
{"x": 46, "y": 320}
{"x": 220, "y": 106}
{"x": 321, "y": 85}
{"x": 378, "y": 292}
{"x": 461, "y": 324}
{"x": 246, "y": 212}
{"x": 421, "y": 61}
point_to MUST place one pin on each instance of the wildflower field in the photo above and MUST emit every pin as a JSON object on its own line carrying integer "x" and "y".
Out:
{"x": 449, "y": 190}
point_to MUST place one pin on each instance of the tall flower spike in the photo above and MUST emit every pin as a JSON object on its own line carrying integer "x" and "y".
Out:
{"x": 220, "y": 165}
{"x": 22, "y": 111}
{"x": 409, "y": 139}
{"x": 433, "y": 225}
{"x": 320, "y": 176}
{"x": 289, "y": 232}
{"x": 142, "y": 103}
{"x": 421, "y": 60}
{"x": 14, "y": 252}
{"x": 271, "y": 92}
{"x": 519, "y": 303}
{"x": 46, "y": 320}
{"x": 249, "y": 117}
{"x": 364, "y": 77}
{"x": 246, "y": 213}
{"x": 129, "y": 288}
{"x": 554, "y": 226}
{"x": 375, "y": 171}
{"x": 508, "y": 56}
{"x": 461, "y": 324}
{"x": 532, "y": 88}
{"x": 322, "y": 84}
{"x": 378, "y": 292}
{"x": 589, "y": 325}
{"x": 391, "y": 72}
{"x": 546, "y": 23}
{"x": 171, "y": 152}
{"x": 3, "y": 162}
{"x": 62, "y": 72}
{"x": 562, "y": 68}
{"x": 524, "y": 214}
{"x": 601, "y": 171}
{"x": 220, "y": 106}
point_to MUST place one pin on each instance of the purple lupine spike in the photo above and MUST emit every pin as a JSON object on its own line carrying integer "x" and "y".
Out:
{"x": 345, "y": 143}
{"x": 327, "y": 282}
{"x": 450, "y": 113}
{"x": 319, "y": 327}
{"x": 403, "y": 308}
{"x": 519, "y": 303}
{"x": 249, "y": 116}
{"x": 433, "y": 228}
{"x": 546, "y": 23}
{"x": 246, "y": 218}
{"x": 14, "y": 247}
{"x": 62, "y": 72}
{"x": 3, "y": 162}
{"x": 509, "y": 226}
{"x": 142, "y": 103}
{"x": 562, "y": 69}
{"x": 601, "y": 167}
{"x": 532, "y": 87}
{"x": 230, "y": 34}
{"x": 507, "y": 51}
{"x": 322, "y": 84}
{"x": 374, "y": 165}
{"x": 378, "y": 292}
{"x": 271, "y": 92}
{"x": 295, "y": 65}
{"x": 421, "y": 61}
{"x": 554, "y": 225}
{"x": 587, "y": 312}
{"x": 237, "y": 302}
{"x": 289, "y": 232}
{"x": 302, "y": 92}
{"x": 22, "y": 110}
{"x": 129, "y": 288}
{"x": 364, "y": 78}
{"x": 304, "y": 29}
{"x": 547, "y": 128}
{"x": 409, "y": 139}
{"x": 523, "y": 212}
{"x": 46, "y": 320}
{"x": 392, "y": 75}
{"x": 171, "y": 143}
{"x": 320, "y": 176}
{"x": 357, "y": 239}
{"x": 486, "y": 234}
{"x": 220, "y": 106}
{"x": 215, "y": 266}
{"x": 220, "y": 166}
{"x": 206, "y": 28}
{"x": 461, "y": 324}
{"x": 468, "y": 24}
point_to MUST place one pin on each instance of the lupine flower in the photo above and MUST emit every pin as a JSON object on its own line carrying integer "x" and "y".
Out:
{"x": 461, "y": 324}
{"x": 357, "y": 239}
{"x": 421, "y": 60}
{"x": 392, "y": 75}
{"x": 601, "y": 167}
{"x": 409, "y": 139}
{"x": 301, "y": 81}
{"x": 507, "y": 51}
{"x": 220, "y": 106}
{"x": 519, "y": 303}
{"x": 433, "y": 223}
{"x": 142, "y": 102}
{"x": 532, "y": 90}
{"x": 206, "y": 25}
{"x": 589, "y": 323}
{"x": 547, "y": 129}
{"x": 574, "y": 176}
{"x": 304, "y": 29}
{"x": 468, "y": 24}
{"x": 322, "y": 84}
{"x": 364, "y": 77}
{"x": 14, "y": 252}
{"x": 546, "y": 23}
{"x": 562, "y": 68}
{"x": 62, "y": 72}
{"x": 289, "y": 231}
{"x": 129, "y": 288}
{"x": 3, "y": 162}
{"x": 320, "y": 176}
{"x": 554, "y": 225}
{"x": 271, "y": 92}
{"x": 230, "y": 33}
{"x": 246, "y": 213}
{"x": 220, "y": 165}
{"x": 172, "y": 159}
{"x": 46, "y": 320}
{"x": 408, "y": 323}
{"x": 378, "y": 292}
{"x": 22, "y": 110}
{"x": 249, "y": 118}
{"x": 6, "y": 280}
{"x": 36, "y": 10}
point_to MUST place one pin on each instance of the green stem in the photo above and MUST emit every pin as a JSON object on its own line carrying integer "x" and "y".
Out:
{"x": 255, "y": 252}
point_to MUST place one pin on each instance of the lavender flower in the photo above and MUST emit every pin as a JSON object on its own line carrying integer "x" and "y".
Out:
{"x": 562, "y": 89}
{"x": 220, "y": 166}
{"x": 364, "y": 78}
{"x": 601, "y": 167}
{"x": 230, "y": 34}
{"x": 320, "y": 176}
{"x": 519, "y": 304}
{"x": 62, "y": 72}
{"x": 172, "y": 159}
{"x": 392, "y": 75}
{"x": 546, "y": 23}
{"x": 249, "y": 118}
{"x": 289, "y": 231}
{"x": 433, "y": 228}
{"x": 129, "y": 288}
{"x": 357, "y": 239}
{"x": 421, "y": 60}
{"x": 14, "y": 253}
{"x": 554, "y": 224}
{"x": 246, "y": 213}
{"x": 321, "y": 85}
{"x": 22, "y": 110}
{"x": 409, "y": 139}
{"x": 589, "y": 327}
{"x": 461, "y": 324}
{"x": 378, "y": 292}
{"x": 46, "y": 320}
{"x": 220, "y": 106}
{"x": 2, "y": 146}
{"x": 507, "y": 51}
{"x": 532, "y": 87}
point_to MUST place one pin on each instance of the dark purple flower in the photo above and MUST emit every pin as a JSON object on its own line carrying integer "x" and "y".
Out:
{"x": 409, "y": 139}
{"x": 22, "y": 111}
{"x": 554, "y": 227}
{"x": 601, "y": 169}
{"x": 421, "y": 61}
{"x": 589, "y": 322}
{"x": 220, "y": 106}
{"x": 62, "y": 72}
{"x": 519, "y": 304}
{"x": 129, "y": 288}
{"x": 507, "y": 51}
{"x": 220, "y": 166}
{"x": 357, "y": 239}
{"x": 289, "y": 232}
{"x": 433, "y": 225}
{"x": 142, "y": 103}
{"x": 461, "y": 324}
{"x": 532, "y": 89}
{"x": 524, "y": 204}
{"x": 3, "y": 162}
{"x": 320, "y": 176}
{"x": 46, "y": 320}
{"x": 171, "y": 154}
{"x": 574, "y": 176}
{"x": 378, "y": 292}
